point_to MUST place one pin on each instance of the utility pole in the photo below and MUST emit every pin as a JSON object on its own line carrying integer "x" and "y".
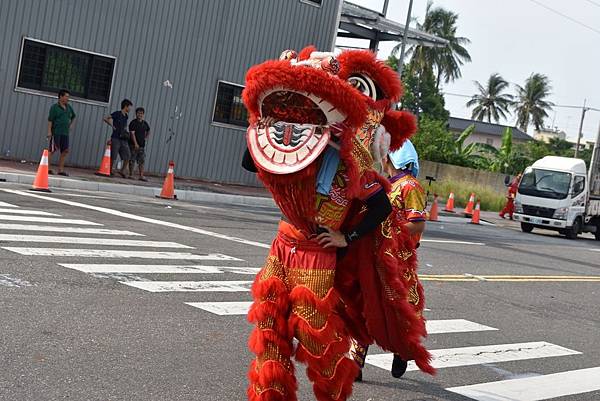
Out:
{"x": 404, "y": 35}
{"x": 580, "y": 134}
{"x": 386, "y": 3}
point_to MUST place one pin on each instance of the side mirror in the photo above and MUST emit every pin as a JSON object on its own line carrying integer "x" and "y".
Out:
{"x": 506, "y": 180}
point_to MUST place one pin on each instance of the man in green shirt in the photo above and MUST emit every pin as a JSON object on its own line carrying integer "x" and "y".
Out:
{"x": 60, "y": 121}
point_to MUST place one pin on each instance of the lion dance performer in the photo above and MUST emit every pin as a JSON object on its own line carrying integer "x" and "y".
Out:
{"x": 308, "y": 122}
{"x": 399, "y": 236}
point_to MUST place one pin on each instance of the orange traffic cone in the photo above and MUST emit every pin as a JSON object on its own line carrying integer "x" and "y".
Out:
{"x": 433, "y": 212}
{"x": 105, "y": 164}
{"x": 476, "y": 212}
{"x": 40, "y": 183}
{"x": 168, "y": 189}
{"x": 469, "y": 209}
{"x": 450, "y": 203}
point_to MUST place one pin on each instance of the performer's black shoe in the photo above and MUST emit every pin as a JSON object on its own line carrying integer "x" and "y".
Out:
{"x": 358, "y": 377}
{"x": 398, "y": 367}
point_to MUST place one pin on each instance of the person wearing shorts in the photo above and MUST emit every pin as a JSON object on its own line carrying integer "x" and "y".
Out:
{"x": 140, "y": 130}
{"x": 120, "y": 137}
{"x": 60, "y": 122}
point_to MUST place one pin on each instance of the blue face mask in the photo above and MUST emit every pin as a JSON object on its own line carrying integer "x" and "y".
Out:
{"x": 404, "y": 156}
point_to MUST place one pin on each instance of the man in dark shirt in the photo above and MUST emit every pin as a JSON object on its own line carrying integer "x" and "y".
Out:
{"x": 140, "y": 130}
{"x": 60, "y": 121}
{"x": 120, "y": 137}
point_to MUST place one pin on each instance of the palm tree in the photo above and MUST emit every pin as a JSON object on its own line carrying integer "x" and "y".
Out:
{"x": 531, "y": 105}
{"x": 445, "y": 61}
{"x": 490, "y": 103}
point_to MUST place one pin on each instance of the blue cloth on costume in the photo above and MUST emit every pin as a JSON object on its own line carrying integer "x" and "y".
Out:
{"x": 405, "y": 155}
{"x": 329, "y": 166}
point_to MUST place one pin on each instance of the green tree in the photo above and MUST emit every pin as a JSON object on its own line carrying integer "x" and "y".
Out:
{"x": 433, "y": 141}
{"x": 421, "y": 97}
{"x": 491, "y": 103}
{"x": 531, "y": 105}
{"x": 447, "y": 60}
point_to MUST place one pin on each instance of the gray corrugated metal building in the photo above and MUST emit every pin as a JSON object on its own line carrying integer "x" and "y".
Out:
{"x": 114, "y": 49}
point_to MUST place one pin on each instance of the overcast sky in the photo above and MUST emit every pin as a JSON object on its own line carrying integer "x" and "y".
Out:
{"x": 516, "y": 38}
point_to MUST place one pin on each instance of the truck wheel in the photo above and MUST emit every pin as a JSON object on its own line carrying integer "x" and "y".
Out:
{"x": 573, "y": 231}
{"x": 526, "y": 227}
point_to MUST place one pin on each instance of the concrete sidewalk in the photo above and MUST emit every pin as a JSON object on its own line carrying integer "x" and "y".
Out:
{"x": 185, "y": 189}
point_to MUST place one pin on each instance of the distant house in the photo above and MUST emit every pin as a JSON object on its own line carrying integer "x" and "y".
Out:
{"x": 545, "y": 134}
{"x": 488, "y": 133}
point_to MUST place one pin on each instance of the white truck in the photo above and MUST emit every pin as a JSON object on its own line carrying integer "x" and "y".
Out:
{"x": 557, "y": 193}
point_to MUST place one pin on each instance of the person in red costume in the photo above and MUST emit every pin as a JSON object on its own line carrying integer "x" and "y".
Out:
{"x": 408, "y": 215}
{"x": 312, "y": 116}
{"x": 509, "y": 207}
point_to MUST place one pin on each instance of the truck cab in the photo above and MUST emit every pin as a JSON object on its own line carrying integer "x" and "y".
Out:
{"x": 553, "y": 194}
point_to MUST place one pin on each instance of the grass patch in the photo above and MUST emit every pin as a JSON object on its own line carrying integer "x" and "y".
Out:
{"x": 490, "y": 199}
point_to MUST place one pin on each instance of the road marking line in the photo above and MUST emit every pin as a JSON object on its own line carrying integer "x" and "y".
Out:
{"x": 28, "y": 212}
{"x": 468, "y": 356}
{"x": 7, "y": 280}
{"x": 223, "y": 308}
{"x": 111, "y": 253}
{"x": 143, "y": 219}
{"x": 455, "y": 326}
{"x": 157, "y": 269}
{"x": 4, "y": 204}
{"x": 534, "y": 388}
{"x": 52, "y": 220}
{"x": 190, "y": 286}
{"x": 70, "y": 230}
{"x": 89, "y": 241}
{"x": 443, "y": 241}
{"x": 506, "y": 278}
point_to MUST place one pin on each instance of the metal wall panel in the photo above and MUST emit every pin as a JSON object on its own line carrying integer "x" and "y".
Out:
{"x": 192, "y": 43}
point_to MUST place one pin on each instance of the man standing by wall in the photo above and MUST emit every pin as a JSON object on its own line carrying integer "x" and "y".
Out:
{"x": 60, "y": 122}
{"x": 120, "y": 137}
{"x": 140, "y": 130}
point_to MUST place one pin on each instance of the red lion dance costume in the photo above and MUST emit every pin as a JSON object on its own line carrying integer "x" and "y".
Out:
{"x": 317, "y": 102}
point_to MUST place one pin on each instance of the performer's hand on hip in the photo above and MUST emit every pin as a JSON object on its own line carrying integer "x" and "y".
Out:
{"x": 332, "y": 238}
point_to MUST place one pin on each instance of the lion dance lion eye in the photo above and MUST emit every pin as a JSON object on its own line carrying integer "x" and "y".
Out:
{"x": 364, "y": 84}
{"x": 288, "y": 55}
{"x": 331, "y": 65}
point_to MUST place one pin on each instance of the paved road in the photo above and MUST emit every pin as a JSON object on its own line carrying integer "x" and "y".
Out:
{"x": 106, "y": 297}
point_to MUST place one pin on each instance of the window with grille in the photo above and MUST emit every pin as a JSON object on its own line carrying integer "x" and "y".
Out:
{"x": 229, "y": 108}
{"x": 48, "y": 68}
{"x": 313, "y": 2}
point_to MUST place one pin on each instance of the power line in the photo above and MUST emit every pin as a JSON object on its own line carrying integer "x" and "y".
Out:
{"x": 593, "y": 2}
{"x": 566, "y": 16}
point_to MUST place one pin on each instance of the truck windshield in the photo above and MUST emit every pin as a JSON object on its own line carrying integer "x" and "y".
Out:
{"x": 545, "y": 184}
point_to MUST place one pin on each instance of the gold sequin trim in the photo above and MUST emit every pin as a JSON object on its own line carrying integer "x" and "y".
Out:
{"x": 273, "y": 268}
{"x": 318, "y": 281}
{"x": 413, "y": 295}
{"x": 272, "y": 353}
{"x": 310, "y": 314}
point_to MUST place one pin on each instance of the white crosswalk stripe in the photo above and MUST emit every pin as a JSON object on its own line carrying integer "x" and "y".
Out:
{"x": 27, "y": 212}
{"x": 89, "y": 241}
{"x": 158, "y": 269}
{"x": 66, "y": 230}
{"x": 543, "y": 387}
{"x": 111, "y": 253}
{"x": 223, "y": 308}
{"x": 467, "y": 356}
{"x": 4, "y": 204}
{"x": 191, "y": 286}
{"x": 51, "y": 220}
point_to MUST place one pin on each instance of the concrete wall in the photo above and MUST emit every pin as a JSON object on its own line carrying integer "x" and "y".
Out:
{"x": 447, "y": 171}
{"x": 192, "y": 43}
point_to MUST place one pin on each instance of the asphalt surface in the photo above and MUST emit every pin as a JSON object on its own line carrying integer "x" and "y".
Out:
{"x": 71, "y": 335}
